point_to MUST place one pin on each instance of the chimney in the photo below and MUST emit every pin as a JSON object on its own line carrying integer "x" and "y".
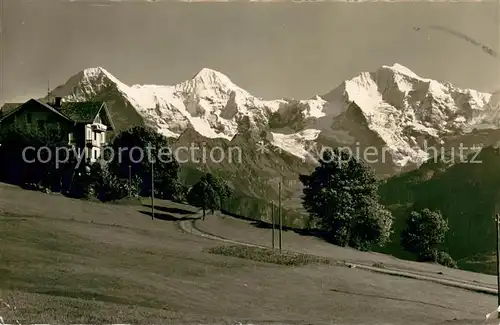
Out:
{"x": 57, "y": 102}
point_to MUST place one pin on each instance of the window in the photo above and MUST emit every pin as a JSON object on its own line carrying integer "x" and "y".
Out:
{"x": 41, "y": 124}
{"x": 28, "y": 117}
{"x": 95, "y": 136}
{"x": 95, "y": 154}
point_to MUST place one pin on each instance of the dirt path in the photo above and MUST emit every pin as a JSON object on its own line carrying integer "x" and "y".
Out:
{"x": 217, "y": 228}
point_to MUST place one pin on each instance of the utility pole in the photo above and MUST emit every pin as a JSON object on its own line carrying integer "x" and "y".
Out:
{"x": 497, "y": 221}
{"x": 272, "y": 220}
{"x": 280, "y": 216}
{"x": 129, "y": 181}
{"x": 152, "y": 189}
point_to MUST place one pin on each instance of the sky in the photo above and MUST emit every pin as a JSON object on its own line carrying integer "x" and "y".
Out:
{"x": 273, "y": 50}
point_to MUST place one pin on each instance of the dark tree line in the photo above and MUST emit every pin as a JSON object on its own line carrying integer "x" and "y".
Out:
{"x": 106, "y": 180}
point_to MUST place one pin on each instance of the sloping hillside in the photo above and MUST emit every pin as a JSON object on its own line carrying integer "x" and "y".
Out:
{"x": 75, "y": 262}
{"x": 467, "y": 194}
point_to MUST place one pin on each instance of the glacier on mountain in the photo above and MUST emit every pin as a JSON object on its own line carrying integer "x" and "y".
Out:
{"x": 392, "y": 104}
{"x": 209, "y": 102}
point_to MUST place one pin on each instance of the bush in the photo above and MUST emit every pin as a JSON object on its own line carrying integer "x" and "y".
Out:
{"x": 425, "y": 231}
{"x": 80, "y": 181}
{"x": 107, "y": 187}
{"x": 184, "y": 190}
{"x": 437, "y": 256}
{"x": 268, "y": 255}
{"x": 445, "y": 259}
{"x": 176, "y": 193}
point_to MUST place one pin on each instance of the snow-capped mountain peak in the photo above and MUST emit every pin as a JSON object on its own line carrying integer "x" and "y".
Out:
{"x": 211, "y": 84}
{"x": 397, "y": 68}
{"x": 87, "y": 84}
{"x": 390, "y": 108}
{"x": 212, "y": 77}
{"x": 403, "y": 109}
{"x": 393, "y": 103}
{"x": 209, "y": 102}
{"x": 92, "y": 75}
{"x": 96, "y": 71}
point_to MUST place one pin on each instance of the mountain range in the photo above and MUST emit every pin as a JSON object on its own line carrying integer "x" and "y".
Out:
{"x": 391, "y": 109}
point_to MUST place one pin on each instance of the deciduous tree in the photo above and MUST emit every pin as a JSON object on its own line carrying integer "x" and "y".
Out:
{"x": 341, "y": 195}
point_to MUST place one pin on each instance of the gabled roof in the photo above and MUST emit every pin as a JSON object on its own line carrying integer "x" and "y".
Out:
{"x": 108, "y": 115}
{"x": 14, "y": 110}
{"x": 79, "y": 112}
{"x": 7, "y": 107}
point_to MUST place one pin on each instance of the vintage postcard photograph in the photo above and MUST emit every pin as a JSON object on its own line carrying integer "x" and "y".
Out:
{"x": 249, "y": 162}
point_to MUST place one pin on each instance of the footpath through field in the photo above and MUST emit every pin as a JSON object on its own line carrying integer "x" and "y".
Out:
{"x": 236, "y": 231}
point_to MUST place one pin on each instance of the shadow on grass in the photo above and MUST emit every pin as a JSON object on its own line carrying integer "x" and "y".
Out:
{"x": 266, "y": 225}
{"x": 84, "y": 295}
{"x": 92, "y": 296}
{"x": 128, "y": 201}
{"x": 391, "y": 298}
{"x": 170, "y": 210}
{"x": 166, "y": 216}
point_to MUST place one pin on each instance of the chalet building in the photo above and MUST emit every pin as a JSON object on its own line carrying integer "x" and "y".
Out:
{"x": 87, "y": 124}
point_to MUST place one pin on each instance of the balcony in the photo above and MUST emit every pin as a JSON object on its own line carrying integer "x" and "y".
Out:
{"x": 99, "y": 127}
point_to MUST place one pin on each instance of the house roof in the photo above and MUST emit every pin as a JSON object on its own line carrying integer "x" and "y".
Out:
{"x": 79, "y": 112}
{"x": 14, "y": 107}
{"x": 85, "y": 112}
{"x": 7, "y": 107}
